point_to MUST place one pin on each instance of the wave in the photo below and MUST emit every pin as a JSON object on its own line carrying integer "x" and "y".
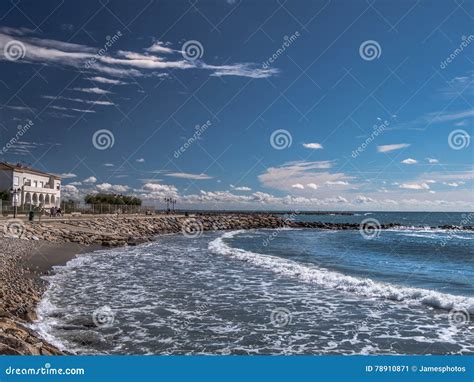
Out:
{"x": 335, "y": 280}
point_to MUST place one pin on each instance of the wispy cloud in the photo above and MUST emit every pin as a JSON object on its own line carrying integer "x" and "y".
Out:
{"x": 94, "y": 90}
{"x": 119, "y": 63}
{"x": 388, "y": 148}
{"x": 313, "y": 146}
{"x": 107, "y": 81}
{"x": 409, "y": 161}
{"x": 185, "y": 175}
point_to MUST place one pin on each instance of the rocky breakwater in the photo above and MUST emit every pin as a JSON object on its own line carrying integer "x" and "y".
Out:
{"x": 112, "y": 231}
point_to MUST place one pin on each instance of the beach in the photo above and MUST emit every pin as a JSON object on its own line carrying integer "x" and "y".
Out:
{"x": 23, "y": 263}
{"x": 256, "y": 254}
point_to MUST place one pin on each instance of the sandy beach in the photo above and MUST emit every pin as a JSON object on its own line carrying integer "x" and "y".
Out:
{"x": 22, "y": 265}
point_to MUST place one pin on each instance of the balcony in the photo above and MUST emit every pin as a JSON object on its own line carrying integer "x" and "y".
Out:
{"x": 46, "y": 190}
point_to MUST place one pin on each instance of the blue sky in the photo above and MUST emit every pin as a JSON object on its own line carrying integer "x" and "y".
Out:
{"x": 307, "y": 105}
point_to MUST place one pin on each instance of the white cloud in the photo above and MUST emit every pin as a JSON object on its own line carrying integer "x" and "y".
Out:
{"x": 67, "y": 175}
{"x": 312, "y": 186}
{"x": 112, "y": 187}
{"x": 94, "y": 90}
{"x": 388, "y": 148}
{"x": 298, "y": 185}
{"x": 313, "y": 146}
{"x": 361, "y": 199}
{"x": 452, "y": 184}
{"x": 337, "y": 183}
{"x": 108, "y": 164}
{"x": 185, "y": 175}
{"x": 119, "y": 63}
{"x": 90, "y": 180}
{"x": 140, "y": 160}
{"x": 160, "y": 47}
{"x": 432, "y": 160}
{"x": 69, "y": 191}
{"x": 240, "y": 188}
{"x": 415, "y": 186}
{"x": 409, "y": 161}
{"x": 108, "y": 81}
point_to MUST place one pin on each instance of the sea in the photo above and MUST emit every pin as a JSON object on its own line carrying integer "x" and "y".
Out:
{"x": 408, "y": 290}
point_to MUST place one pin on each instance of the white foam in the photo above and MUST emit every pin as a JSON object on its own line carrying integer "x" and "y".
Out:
{"x": 341, "y": 282}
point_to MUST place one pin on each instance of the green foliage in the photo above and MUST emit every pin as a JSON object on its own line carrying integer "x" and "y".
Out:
{"x": 5, "y": 195}
{"x": 116, "y": 199}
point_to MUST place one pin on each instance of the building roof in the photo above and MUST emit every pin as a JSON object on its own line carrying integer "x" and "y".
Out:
{"x": 24, "y": 168}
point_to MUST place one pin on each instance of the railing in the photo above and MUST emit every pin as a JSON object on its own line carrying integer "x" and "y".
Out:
{"x": 7, "y": 209}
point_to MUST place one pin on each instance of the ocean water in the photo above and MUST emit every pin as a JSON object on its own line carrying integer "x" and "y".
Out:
{"x": 287, "y": 291}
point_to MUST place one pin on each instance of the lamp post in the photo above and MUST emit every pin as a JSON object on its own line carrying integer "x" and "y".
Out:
{"x": 15, "y": 192}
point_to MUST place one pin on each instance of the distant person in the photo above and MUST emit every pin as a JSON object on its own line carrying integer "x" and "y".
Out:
{"x": 58, "y": 211}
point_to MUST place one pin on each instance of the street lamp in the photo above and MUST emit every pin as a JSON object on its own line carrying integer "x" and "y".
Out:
{"x": 15, "y": 192}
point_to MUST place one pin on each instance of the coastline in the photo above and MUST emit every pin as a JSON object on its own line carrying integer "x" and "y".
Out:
{"x": 23, "y": 265}
{"x": 26, "y": 259}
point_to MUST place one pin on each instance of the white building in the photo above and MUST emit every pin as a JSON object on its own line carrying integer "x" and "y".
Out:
{"x": 36, "y": 187}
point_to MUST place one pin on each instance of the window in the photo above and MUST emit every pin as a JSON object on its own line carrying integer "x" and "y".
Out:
{"x": 26, "y": 182}
{"x": 35, "y": 183}
{"x": 16, "y": 181}
{"x": 41, "y": 184}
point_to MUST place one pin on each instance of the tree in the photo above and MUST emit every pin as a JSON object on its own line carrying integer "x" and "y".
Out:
{"x": 5, "y": 195}
{"x": 115, "y": 199}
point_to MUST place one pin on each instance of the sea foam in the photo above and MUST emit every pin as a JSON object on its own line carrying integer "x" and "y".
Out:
{"x": 338, "y": 281}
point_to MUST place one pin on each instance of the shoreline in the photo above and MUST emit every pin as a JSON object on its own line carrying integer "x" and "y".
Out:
{"x": 23, "y": 263}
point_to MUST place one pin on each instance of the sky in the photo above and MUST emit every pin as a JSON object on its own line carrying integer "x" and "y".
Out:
{"x": 273, "y": 105}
